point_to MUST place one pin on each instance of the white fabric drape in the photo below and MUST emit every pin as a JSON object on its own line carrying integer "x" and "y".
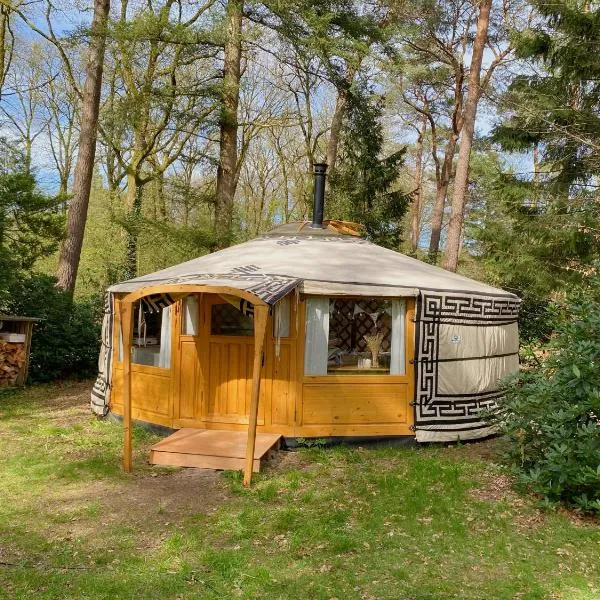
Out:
{"x": 190, "y": 315}
{"x": 317, "y": 336}
{"x": 281, "y": 323}
{"x": 398, "y": 358}
{"x": 475, "y": 376}
{"x": 164, "y": 357}
{"x": 282, "y": 318}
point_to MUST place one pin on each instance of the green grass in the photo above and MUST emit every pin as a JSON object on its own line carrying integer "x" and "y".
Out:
{"x": 325, "y": 523}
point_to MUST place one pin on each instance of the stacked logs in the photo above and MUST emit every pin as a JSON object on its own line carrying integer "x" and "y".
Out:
{"x": 12, "y": 359}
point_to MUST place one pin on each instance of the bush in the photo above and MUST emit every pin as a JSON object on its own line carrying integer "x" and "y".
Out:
{"x": 66, "y": 341}
{"x": 551, "y": 413}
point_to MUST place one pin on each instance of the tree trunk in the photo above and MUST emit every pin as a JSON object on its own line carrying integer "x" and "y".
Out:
{"x": 536, "y": 176}
{"x": 228, "y": 148}
{"x": 417, "y": 207}
{"x": 336, "y": 128}
{"x": 341, "y": 104}
{"x": 441, "y": 191}
{"x": 160, "y": 197}
{"x": 4, "y": 55}
{"x": 132, "y": 230}
{"x": 70, "y": 251}
{"x": 459, "y": 197}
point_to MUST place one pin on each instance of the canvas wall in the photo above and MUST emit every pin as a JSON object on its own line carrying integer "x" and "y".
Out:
{"x": 464, "y": 344}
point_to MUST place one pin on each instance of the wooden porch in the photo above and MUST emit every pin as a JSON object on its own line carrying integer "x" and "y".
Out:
{"x": 212, "y": 449}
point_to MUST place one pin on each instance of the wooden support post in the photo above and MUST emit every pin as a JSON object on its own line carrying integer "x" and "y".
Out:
{"x": 127, "y": 332}
{"x": 28, "y": 335}
{"x": 260, "y": 328}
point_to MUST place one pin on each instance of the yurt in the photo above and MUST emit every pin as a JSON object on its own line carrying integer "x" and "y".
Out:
{"x": 308, "y": 331}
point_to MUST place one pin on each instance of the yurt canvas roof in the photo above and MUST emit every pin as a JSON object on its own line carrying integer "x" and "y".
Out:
{"x": 318, "y": 261}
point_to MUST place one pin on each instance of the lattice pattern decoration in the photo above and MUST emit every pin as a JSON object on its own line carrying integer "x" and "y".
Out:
{"x": 351, "y": 320}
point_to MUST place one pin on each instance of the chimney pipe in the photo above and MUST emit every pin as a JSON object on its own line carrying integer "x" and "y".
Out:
{"x": 319, "y": 194}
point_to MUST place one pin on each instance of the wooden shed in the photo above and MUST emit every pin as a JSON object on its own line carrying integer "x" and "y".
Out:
{"x": 307, "y": 331}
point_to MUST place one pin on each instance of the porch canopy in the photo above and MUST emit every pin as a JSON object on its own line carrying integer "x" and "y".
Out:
{"x": 168, "y": 292}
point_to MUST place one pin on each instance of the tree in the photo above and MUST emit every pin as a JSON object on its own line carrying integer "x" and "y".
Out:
{"x": 22, "y": 104}
{"x": 365, "y": 187}
{"x": 7, "y": 41}
{"x": 555, "y": 106}
{"x": 228, "y": 123}
{"x": 526, "y": 238}
{"x": 417, "y": 193}
{"x": 434, "y": 46}
{"x": 62, "y": 118}
{"x": 162, "y": 91}
{"x": 537, "y": 229}
{"x": 30, "y": 222}
{"x": 459, "y": 196}
{"x": 70, "y": 251}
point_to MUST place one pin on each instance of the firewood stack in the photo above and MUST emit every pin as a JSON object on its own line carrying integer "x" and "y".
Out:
{"x": 12, "y": 359}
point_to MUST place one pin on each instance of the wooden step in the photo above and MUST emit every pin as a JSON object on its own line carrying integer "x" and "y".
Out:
{"x": 211, "y": 449}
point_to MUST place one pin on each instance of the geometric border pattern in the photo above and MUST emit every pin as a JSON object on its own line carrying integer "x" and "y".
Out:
{"x": 452, "y": 414}
{"x": 100, "y": 396}
{"x": 269, "y": 288}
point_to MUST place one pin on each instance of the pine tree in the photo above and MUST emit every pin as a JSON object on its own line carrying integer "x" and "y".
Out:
{"x": 365, "y": 186}
{"x": 558, "y": 107}
{"x": 536, "y": 232}
{"x": 30, "y": 222}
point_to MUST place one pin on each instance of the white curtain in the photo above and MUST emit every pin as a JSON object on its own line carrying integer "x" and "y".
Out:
{"x": 398, "y": 358}
{"x": 190, "y": 315}
{"x": 164, "y": 357}
{"x": 317, "y": 336}
{"x": 281, "y": 322}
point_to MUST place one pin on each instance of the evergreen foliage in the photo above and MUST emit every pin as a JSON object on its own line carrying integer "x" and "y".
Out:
{"x": 337, "y": 32}
{"x": 558, "y": 107}
{"x": 365, "y": 185}
{"x": 66, "y": 340}
{"x": 528, "y": 239}
{"x": 30, "y": 222}
{"x": 551, "y": 413}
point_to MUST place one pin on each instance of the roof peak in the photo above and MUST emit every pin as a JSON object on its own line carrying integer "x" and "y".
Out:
{"x": 331, "y": 227}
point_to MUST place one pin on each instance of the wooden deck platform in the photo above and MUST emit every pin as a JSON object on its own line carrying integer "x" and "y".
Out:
{"x": 211, "y": 449}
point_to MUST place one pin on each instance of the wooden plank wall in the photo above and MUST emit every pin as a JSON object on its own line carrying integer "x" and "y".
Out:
{"x": 208, "y": 383}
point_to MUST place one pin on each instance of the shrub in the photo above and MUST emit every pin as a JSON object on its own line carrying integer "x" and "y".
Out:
{"x": 551, "y": 413}
{"x": 66, "y": 341}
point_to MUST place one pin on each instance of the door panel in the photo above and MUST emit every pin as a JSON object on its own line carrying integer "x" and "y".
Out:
{"x": 189, "y": 381}
{"x": 229, "y": 361}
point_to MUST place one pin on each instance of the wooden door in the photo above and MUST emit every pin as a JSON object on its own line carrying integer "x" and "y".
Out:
{"x": 227, "y": 363}
{"x": 188, "y": 388}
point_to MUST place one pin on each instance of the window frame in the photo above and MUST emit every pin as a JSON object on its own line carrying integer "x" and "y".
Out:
{"x": 349, "y": 376}
{"x": 209, "y": 323}
{"x": 117, "y": 349}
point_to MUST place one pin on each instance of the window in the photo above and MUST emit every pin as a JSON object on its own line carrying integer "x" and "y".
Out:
{"x": 226, "y": 319}
{"x": 151, "y": 344}
{"x": 358, "y": 336}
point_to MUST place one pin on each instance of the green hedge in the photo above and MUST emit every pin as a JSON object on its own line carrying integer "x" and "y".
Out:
{"x": 66, "y": 341}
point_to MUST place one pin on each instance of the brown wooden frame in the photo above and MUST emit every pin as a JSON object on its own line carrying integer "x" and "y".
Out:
{"x": 290, "y": 401}
{"x": 261, "y": 311}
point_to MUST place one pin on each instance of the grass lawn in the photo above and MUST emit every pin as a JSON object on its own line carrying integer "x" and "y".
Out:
{"x": 317, "y": 524}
